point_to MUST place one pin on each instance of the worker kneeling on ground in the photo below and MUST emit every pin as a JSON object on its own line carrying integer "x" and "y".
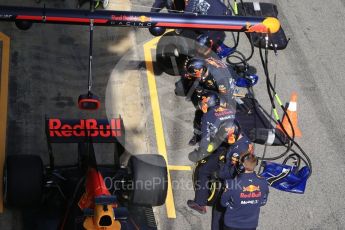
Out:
{"x": 202, "y": 76}
{"x": 220, "y": 132}
{"x": 244, "y": 195}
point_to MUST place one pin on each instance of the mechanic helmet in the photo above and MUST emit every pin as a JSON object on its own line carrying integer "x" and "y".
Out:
{"x": 208, "y": 100}
{"x": 231, "y": 130}
{"x": 196, "y": 68}
{"x": 204, "y": 44}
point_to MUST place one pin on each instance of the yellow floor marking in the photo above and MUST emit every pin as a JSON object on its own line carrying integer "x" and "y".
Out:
{"x": 179, "y": 168}
{"x": 157, "y": 120}
{"x": 5, "y": 66}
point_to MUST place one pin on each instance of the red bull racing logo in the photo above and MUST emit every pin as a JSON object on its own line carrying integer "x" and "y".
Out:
{"x": 144, "y": 19}
{"x": 251, "y": 191}
{"x": 220, "y": 112}
{"x": 84, "y": 128}
{"x": 141, "y": 21}
{"x": 251, "y": 188}
{"x": 141, "y": 18}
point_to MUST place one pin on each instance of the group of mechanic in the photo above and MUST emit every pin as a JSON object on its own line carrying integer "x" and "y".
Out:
{"x": 224, "y": 153}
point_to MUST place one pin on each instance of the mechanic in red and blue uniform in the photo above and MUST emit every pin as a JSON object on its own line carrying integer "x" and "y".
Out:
{"x": 201, "y": 76}
{"x": 219, "y": 130}
{"x": 212, "y": 74}
{"x": 230, "y": 160}
{"x": 215, "y": 8}
{"x": 228, "y": 169}
{"x": 244, "y": 195}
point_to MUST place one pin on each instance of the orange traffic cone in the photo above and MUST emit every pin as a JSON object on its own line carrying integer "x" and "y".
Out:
{"x": 292, "y": 113}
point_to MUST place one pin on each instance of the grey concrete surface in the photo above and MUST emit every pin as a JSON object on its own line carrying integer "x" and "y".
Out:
{"x": 312, "y": 65}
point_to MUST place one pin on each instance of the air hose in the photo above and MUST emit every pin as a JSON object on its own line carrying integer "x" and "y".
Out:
{"x": 241, "y": 56}
{"x": 270, "y": 90}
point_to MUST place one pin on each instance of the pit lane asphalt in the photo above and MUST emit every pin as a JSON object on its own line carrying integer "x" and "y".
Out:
{"x": 312, "y": 65}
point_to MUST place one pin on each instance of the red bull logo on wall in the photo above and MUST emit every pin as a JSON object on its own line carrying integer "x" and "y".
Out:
{"x": 100, "y": 130}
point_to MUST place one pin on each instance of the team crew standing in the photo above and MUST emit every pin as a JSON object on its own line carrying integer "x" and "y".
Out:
{"x": 243, "y": 196}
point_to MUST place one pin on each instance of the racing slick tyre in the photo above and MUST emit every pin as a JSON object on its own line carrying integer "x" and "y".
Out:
{"x": 23, "y": 181}
{"x": 171, "y": 53}
{"x": 215, "y": 186}
{"x": 150, "y": 179}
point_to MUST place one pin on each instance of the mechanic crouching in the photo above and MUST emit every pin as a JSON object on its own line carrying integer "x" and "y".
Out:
{"x": 219, "y": 130}
{"x": 244, "y": 195}
{"x": 201, "y": 76}
{"x": 229, "y": 168}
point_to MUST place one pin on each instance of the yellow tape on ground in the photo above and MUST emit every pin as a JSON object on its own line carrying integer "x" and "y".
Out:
{"x": 179, "y": 168}
{"x": 5, "y": 67}
{"x": 157, "y": 120}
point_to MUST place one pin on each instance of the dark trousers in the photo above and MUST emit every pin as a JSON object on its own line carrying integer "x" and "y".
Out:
{"x": 198, "y": 114}
{"x": 197, "y": 121}
{"x": 218, "y": 215}
{"x": 204, "y": 174}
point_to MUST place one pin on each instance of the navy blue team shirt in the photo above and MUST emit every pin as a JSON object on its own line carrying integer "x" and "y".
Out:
{"x": 211, "y": 122}
{"x": 243, "y": 198}
{"x": 221, "y": 79}
{"x": 227, "y": 170}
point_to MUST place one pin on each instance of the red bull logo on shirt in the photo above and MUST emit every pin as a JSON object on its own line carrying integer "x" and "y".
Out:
{"x": 251, "y": 188}
{"x": 251, "y": 191}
